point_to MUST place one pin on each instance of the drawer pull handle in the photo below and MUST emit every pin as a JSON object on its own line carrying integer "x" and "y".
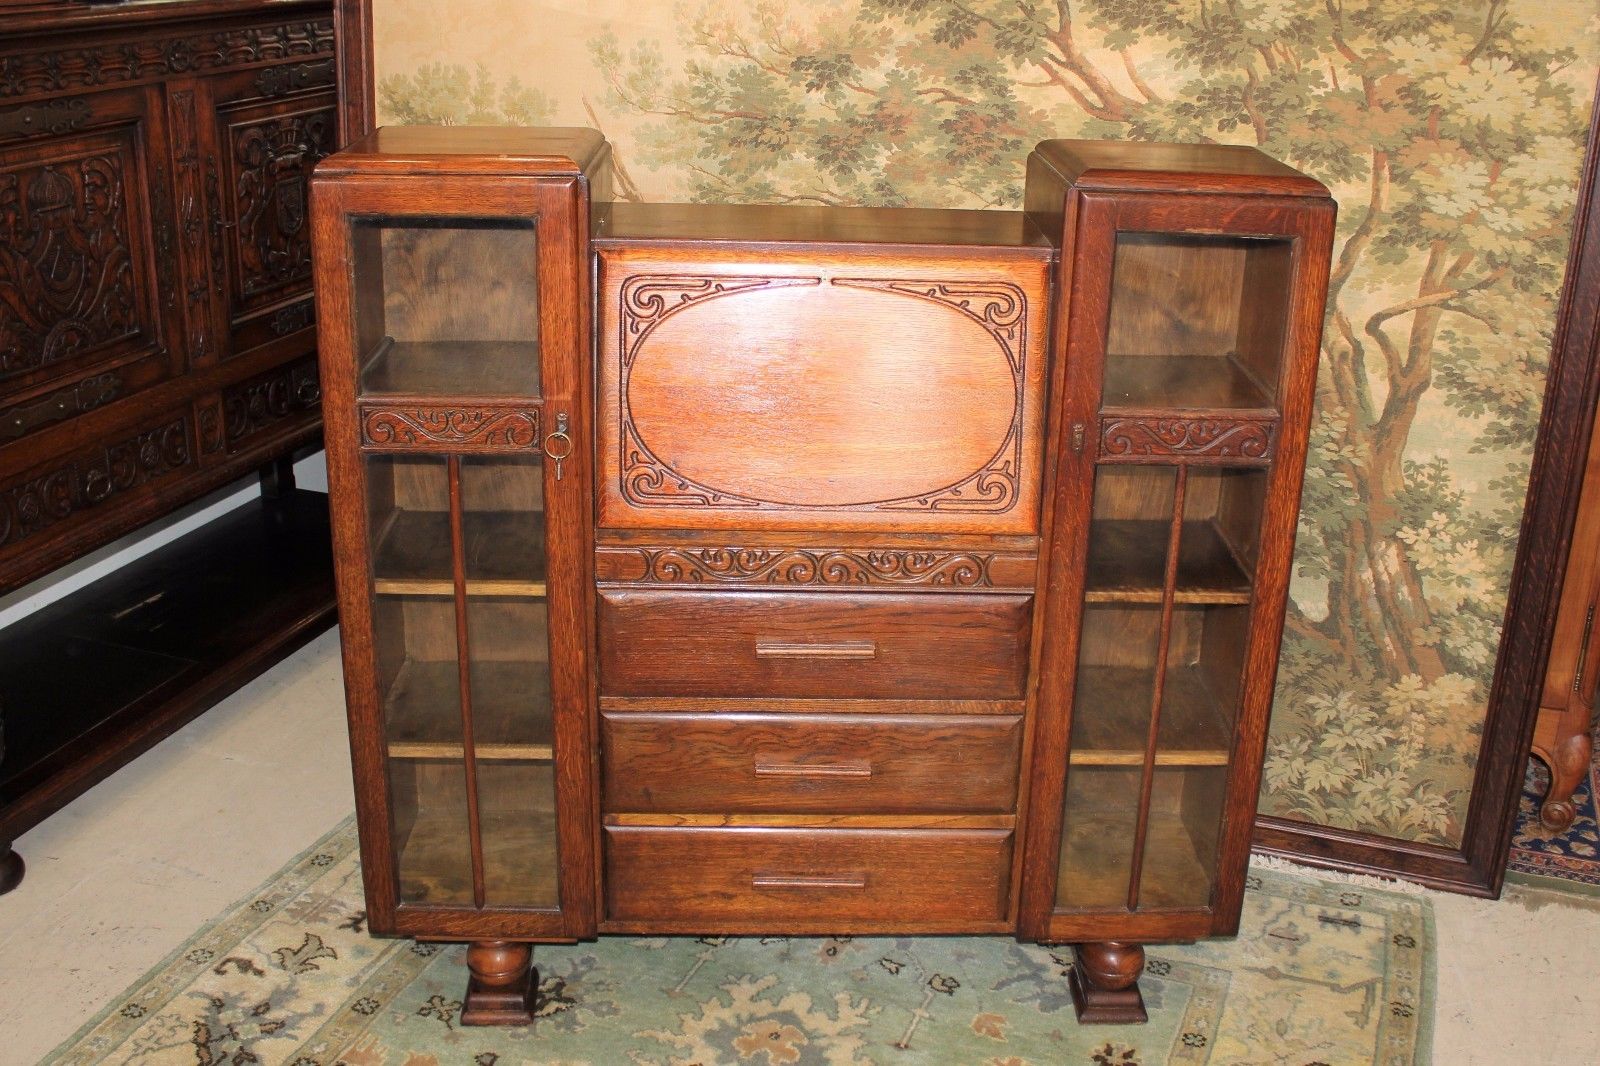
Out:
{"x": 844, "y": 649}
{"x": 850, "y": 880}
{"x": 814, "y": 769}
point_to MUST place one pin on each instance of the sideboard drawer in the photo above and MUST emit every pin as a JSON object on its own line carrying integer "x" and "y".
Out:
{"x": 871, "y": 646}
{"x": 735, "y": 879}
{"x": 863, "y": 764}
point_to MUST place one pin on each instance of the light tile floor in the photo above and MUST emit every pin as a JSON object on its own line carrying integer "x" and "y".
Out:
{"x": 123, "y": 875}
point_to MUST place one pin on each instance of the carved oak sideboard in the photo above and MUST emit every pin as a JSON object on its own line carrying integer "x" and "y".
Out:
{"x": 711, "y": 570}
{"x": 157, "y": 333}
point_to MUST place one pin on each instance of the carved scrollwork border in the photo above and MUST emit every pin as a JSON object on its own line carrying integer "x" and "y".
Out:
{"x": 470, "y": 429}
{"x": 802, "y": 567}
{"x": 647, "y": 300}
{"x": 1146, "y": 438}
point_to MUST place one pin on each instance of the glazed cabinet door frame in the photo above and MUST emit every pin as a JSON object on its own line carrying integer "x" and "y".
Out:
{"x": 1091, "y": 436}
{"x": 448, "y": 426}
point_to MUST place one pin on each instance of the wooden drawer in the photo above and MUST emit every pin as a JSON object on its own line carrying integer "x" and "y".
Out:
{"x": 864, "y": 764}
{"x": 806, "y": 880}
{"x": 824, "y": 645}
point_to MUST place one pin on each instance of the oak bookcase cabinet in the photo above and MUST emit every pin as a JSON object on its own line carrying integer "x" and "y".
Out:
{"x": 811, "y": 571}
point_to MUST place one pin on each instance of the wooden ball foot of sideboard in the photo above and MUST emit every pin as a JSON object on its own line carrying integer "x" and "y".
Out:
{"x": 503, "y": 985}
{"x": 1105, "y": 982}
{"x": 11, "y": 869}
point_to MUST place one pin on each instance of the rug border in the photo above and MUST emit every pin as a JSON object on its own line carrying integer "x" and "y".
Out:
{"x": 116, "y": 1001}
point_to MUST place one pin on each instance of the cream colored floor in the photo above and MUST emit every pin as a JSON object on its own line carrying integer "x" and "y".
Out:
{"x": 126, "y": 873}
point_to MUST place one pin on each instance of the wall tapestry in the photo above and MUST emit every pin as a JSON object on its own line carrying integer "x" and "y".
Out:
{"x": 1452, "y": 132}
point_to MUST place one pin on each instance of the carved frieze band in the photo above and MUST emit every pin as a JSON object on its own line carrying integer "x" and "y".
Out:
{"x": 648, "y": 299}
{"x": 91, "y": 479}
{"x": 835, "y": 567}
{"x": 60, "y": 69}
{"x": 1145, "y": 438}
{"x": 264, "y": 401}
{"x": 474, "y": 429}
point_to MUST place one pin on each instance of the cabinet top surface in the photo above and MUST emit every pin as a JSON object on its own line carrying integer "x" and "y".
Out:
{"x": 1137, "y": 166}
{"x": 61, "y": 16}
{"x": 543, "y": 151}
{"x": 631, "y": 223}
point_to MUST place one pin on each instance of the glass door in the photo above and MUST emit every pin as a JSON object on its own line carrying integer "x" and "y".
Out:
{"x": 463, "y": 368}
{"x": 1173, "y": 526}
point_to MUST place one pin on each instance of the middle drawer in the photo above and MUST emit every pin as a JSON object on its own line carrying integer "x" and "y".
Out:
{"x": 782, "y": 763}
{"x": 813, "y": 645}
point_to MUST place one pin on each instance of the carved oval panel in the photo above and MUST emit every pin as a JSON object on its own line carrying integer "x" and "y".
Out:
{"x": 825, "y": 393}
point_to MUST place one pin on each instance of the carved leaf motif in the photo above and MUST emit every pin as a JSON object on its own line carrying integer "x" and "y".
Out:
{"x": 264, "y": 401}
{"x": 838, "y": 566}
{"x": 470, "y": 429}
{"x": 1192, "y": 437}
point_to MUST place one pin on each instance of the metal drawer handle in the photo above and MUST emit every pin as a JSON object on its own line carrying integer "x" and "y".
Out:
{"x": 853, "y": 768}
{"x": 844, "y": 649}
{"x": 824, "y": 881}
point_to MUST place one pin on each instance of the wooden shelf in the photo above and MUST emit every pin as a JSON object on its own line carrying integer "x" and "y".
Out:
{"x": 504, "y": 554}
{"x": 1109, "y": 730}
{"x": 1180, "y": 382}
{"x": 486, "y": 369}
{"x": 1095, "y": 861}
{"x": 519, "y": 851}
{"x": 510, "y": 706}
{"x": 1128, "y": 558}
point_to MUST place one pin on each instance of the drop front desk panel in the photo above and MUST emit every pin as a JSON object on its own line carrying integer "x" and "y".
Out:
{"x": 721, "y": 570}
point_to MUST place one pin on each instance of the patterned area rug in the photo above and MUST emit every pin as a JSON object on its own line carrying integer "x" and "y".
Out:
{"x": 1572, "y": 857}
{"x": 1322, "y": 973}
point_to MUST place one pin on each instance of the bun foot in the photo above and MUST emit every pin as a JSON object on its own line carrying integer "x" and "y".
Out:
{"x": 502, "y": 986}
{"x": 1105, "y": 982}
{"x": 1569, "y": 764}
{"x": 11, "y": 869}
{"x": 1557, "y": 815}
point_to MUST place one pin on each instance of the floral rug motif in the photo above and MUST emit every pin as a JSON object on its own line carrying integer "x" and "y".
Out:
{"x": 1573, "y": 856}
{"x": 1321, "y": 973}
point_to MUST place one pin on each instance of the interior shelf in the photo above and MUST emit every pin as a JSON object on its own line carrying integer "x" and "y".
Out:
{"x": 436, "y": 861}
{"x": 1199, "y": 382}
{"x": 1195, "y": 729}
{"x": 1095, "y": 861}
{"x": 452, "y": 368}
{"x": 510, "y": 711}
{"x": 504, "y": 554}
{"x": 1127, "y": 562}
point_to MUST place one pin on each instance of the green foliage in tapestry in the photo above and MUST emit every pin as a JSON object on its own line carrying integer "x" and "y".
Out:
{"x": 440, "y": 94}
{"x": 1450, "y": 134}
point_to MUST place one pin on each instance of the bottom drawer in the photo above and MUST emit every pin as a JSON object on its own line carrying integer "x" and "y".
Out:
{"x": 731, "y": 880}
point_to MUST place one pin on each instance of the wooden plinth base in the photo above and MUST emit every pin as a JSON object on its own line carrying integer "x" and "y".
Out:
{"x": 11, "y": 869}
{"x": 503, "y": 984}
{"x": 1105, "y": 983}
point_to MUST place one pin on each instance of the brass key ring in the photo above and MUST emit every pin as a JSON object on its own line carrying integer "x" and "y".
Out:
{"x": 566, "y": 449}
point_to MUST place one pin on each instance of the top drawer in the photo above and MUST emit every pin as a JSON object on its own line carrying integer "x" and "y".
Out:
{"x": 813, "y": 645}
{"x": 840, "y": 388}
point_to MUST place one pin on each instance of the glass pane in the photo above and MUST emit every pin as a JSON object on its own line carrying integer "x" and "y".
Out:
{"x": 1180, "y": 845}
{"x": 447, "y": 307}
{"x": 1132, "y": 524}
{"x": 509, "y": 669}
{"x": 1097, "y": 839}
{"x": 1196, "y": 321}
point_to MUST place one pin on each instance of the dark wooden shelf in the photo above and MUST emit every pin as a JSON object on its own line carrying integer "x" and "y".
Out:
{"x": 504, "y": 554}
{"x": 476, "y": 369}
{"x": 1180, "y": 382}
{"x": 1127, "y": 563}
{"x": 510, "y": 708}
{"x": 1195, "y": 729}
{"x": 97, "y": 678}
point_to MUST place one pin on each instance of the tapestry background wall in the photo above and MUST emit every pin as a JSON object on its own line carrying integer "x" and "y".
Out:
{"x": 1451, "y": 131}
